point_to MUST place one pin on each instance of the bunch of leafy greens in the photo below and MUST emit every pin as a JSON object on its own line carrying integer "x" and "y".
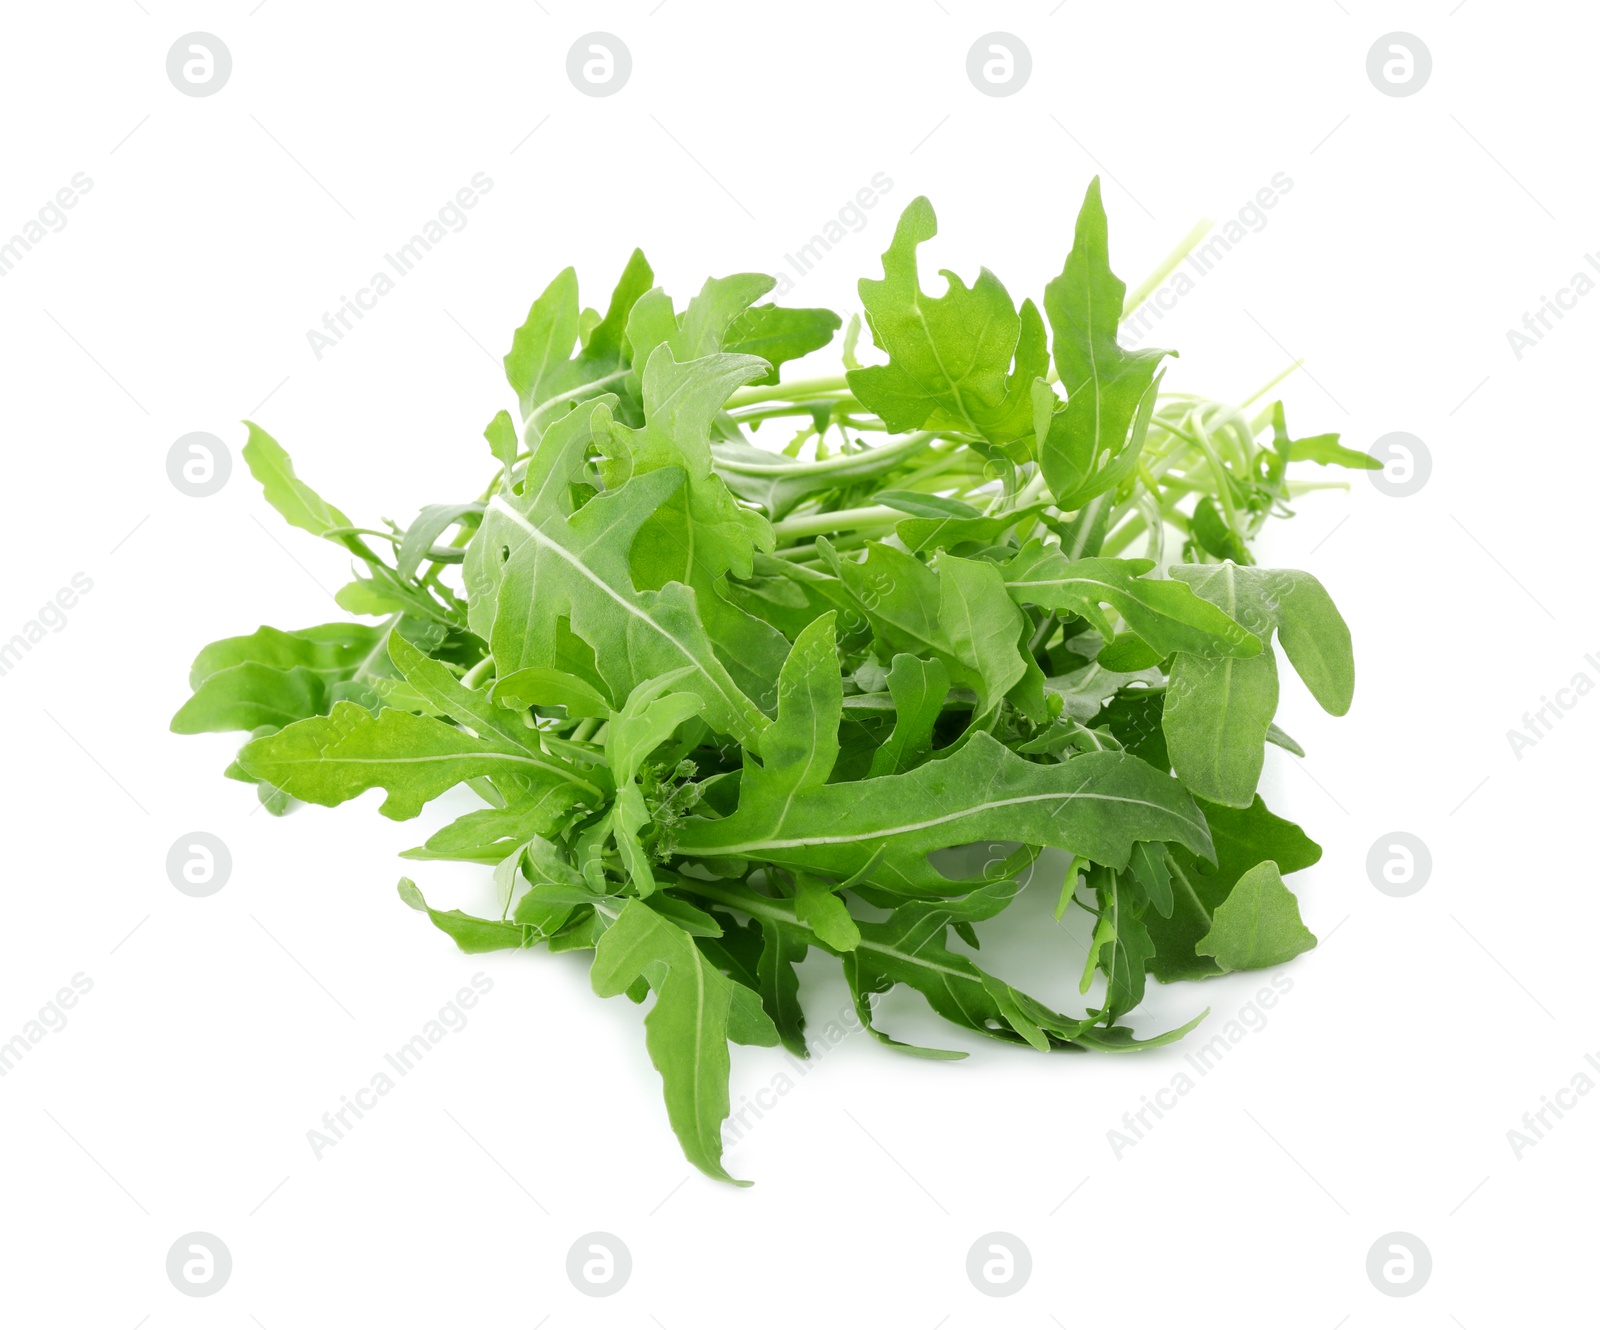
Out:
{"x": 725, "y": 704}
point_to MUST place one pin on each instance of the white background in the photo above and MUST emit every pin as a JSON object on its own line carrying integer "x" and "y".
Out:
{"x": 219, "y": 1030}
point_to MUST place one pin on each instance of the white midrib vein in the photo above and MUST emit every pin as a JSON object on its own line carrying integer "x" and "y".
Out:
{"x": 906, "y": 828}
{"x": 331, "y": 755}
{"x": 566, "y": 556}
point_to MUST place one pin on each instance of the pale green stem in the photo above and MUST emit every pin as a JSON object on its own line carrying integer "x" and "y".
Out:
{"x": 1163, "y": 270}
{"x": 1271, "y": 383}
{"x": 788, "y": 392}
{"x": 842, "y": 519}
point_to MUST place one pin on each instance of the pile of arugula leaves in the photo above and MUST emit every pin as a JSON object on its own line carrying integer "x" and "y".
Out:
{"x": 726, "y": 703}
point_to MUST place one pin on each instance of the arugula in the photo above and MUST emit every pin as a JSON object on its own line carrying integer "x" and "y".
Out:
{"x": 733, "y": 702}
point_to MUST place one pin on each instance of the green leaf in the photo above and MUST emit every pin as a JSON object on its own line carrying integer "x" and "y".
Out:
{"x": 687, "y": 1030}
{"x": 950, "y": 356}
{"x": 273, "y": 678}
{"x": 1219, "y": 711}
{"x": 296, "y": 502}
{"x": 1258, "y": 925}
{"x": 1314, "y": 636}
{"x": 501, "y": 432}
{"x": 541, "y": 367}
{"x": 919, "y": 688}
{"x": 329, "y": 759}
{"x": 1148, "y": 864}
{"x": 1216, "y": 719}
{"x": 704, "y": 328}
{"x": 1243, "y": 838}
{"x": 1120, "y": 947}
{"x": 488, "y": 835}
{"x": 472, "y": 935}
{"x": 543, "y": 686}
{"x": 432, "y": 522}
{"x": 1326, "y": 450}
{"x": 1168, "y": 615}
{"x": 440, "y": 687}
{"x": 783, "y": 948}
{"x": 332, "y": 650}
{"x": 701, "y": 532}
{"x": 911, "y": 947}
{"x": 983, "y": 627}
{"x": 816, "y": 906}
{"x": 1213, "y": 534}
{"x": 1092, "y": 444}
{"x": 780, "y": 335}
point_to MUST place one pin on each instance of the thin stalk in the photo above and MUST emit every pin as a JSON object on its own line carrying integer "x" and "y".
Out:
{"x": 1163, "y": 270}
{"x": 1123, "y": 535}
{"x": 1271, "y": 383}
{"x": 789, "y": 392}
{"x": 909, "y": 444}
{"x": 841, "y": 519}
{"x": 1224, "y": 490}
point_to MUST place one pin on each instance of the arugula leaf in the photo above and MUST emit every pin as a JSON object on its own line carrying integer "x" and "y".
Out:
{"x": 297, "y": 502}
{"x": 474, "y": 936}
{"x": 1326, "y": 450}
{"x": 273, "y": 678}
{"x": 541, "y": 366}
{"x": 1258, "y": 925}
{"x": 949, "y": 355}
{"x": 1168, "y": 615}
{"x": 329, "y": 759}
{"x": 688, "y": 1028}
{"x": 918, "y": 689}
{"x": 1219, "y": 711}
{"x": 1093, "y": 442}
{"x": 779, "y": 335}
{"x": 1244, "y": 838}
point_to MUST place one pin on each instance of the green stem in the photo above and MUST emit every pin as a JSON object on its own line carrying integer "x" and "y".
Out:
{"x": 788, "y": 392}
{"x": 1163, "y": 270}
{"x": 842, "y": 463}
{"x": 1271, "y": 383}
{"x": 840, "y": 519}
